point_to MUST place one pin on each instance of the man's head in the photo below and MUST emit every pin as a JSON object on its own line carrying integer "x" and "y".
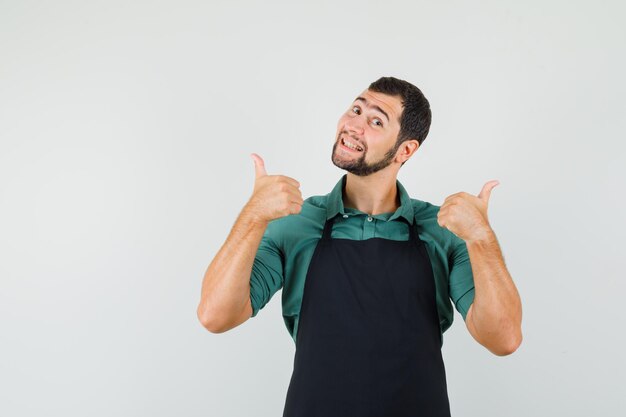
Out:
{"x": 387, "y": 122}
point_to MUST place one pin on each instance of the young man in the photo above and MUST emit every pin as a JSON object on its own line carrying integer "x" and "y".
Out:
{"x": 368, "y": 273}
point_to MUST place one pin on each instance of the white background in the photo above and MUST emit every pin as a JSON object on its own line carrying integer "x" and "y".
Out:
{"x": 125, "y": 137}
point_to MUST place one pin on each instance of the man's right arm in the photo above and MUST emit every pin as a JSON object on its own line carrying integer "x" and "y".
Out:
{"x": 225, "y": 299}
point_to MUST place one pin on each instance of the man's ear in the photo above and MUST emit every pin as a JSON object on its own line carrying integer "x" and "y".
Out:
{"x": 407, "y": 149}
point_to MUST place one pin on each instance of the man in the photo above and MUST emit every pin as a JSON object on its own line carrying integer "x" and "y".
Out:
{"x": 367, "y": 272}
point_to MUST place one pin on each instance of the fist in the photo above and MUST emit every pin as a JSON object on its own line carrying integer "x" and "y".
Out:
{"x": 465, "y": 215}
{"x": 274, "y": 196}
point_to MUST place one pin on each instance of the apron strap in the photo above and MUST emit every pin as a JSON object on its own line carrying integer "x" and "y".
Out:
{"x": 328, "y": 227}
{"x": 413, "y": 235}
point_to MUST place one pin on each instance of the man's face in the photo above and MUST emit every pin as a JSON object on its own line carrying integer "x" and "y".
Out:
{"x": 371, "y": 124}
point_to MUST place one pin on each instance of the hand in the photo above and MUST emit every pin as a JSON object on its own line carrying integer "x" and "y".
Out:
{"x": 465, "y": 215}
{"x": 274, "y": 196}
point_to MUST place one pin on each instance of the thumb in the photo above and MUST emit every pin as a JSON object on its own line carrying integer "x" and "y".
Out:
{"x": 486, "y": 191}
{"x": 259, "y": 165}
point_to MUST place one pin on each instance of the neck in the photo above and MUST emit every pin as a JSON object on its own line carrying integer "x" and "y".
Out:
{"x": 372, "y": 194}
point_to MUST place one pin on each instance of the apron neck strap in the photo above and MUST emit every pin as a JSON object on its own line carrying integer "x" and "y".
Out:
{"x": 328, "y": 227}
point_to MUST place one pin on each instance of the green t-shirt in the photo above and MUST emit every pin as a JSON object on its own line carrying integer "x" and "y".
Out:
{"x": 283, "y": 257}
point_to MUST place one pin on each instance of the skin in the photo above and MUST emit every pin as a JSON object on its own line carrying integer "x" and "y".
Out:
{"x": 494, "y": 318}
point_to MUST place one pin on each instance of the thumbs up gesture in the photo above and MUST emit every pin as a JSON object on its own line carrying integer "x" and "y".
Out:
{"x": 274, "y": 196}
{"x": 465, "y": 215}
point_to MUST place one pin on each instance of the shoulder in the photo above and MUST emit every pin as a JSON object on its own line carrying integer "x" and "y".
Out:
{"x": 426, "y": 218}
{"x": 425, "y": 214}
{"x": 313, "y": 210}
{"x": 309, "y": 220}
{"x": 424, "y": 209}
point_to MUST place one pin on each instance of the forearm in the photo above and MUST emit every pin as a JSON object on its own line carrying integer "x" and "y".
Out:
{"x": 226, "y": 283}
{"x": 496, "y": 313}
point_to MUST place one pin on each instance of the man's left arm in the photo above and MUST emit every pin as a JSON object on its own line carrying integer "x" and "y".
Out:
{"x": 494, "y": 319}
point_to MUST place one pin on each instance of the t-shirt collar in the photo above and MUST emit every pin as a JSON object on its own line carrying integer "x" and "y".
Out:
{"x": 335, "y": 202}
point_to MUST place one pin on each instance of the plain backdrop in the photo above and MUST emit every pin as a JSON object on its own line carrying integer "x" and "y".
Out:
{"x": 126, "y": 129}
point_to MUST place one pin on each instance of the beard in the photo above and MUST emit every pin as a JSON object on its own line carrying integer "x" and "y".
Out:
{"x": 358, "y": 166}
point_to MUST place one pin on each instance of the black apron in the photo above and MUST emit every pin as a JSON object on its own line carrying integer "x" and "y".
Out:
{"x": 368, "y": 341}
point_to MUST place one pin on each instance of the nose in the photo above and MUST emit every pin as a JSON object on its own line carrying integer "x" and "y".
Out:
{"x": 354, "y": 125}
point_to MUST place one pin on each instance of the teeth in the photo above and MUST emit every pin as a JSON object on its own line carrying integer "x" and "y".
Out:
{"x": 351, "y": 145}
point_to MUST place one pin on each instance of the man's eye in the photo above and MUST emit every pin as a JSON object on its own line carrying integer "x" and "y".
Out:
{"x": 357, "y": 110}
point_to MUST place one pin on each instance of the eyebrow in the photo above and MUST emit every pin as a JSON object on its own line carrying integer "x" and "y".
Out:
{"x": 373, "y": 105}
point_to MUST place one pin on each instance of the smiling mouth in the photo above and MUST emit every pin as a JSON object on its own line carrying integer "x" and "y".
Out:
{"x": 351, "y": 146}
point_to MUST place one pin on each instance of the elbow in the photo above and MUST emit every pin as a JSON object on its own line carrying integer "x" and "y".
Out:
{"x": 510, "y": 346}
{"x": 207, "y": 320}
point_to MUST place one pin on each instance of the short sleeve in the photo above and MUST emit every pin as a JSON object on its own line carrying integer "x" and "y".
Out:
{"x": 267, "y": 270}
{"x": 461, "y": 280}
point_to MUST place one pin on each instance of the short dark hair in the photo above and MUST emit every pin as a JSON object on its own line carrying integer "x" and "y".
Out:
{"x": 416, "y": 116}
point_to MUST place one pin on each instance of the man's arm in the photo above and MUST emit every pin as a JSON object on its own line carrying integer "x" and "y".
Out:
{"x": 225, "y": 298}
{"x": 495, "y": 317}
